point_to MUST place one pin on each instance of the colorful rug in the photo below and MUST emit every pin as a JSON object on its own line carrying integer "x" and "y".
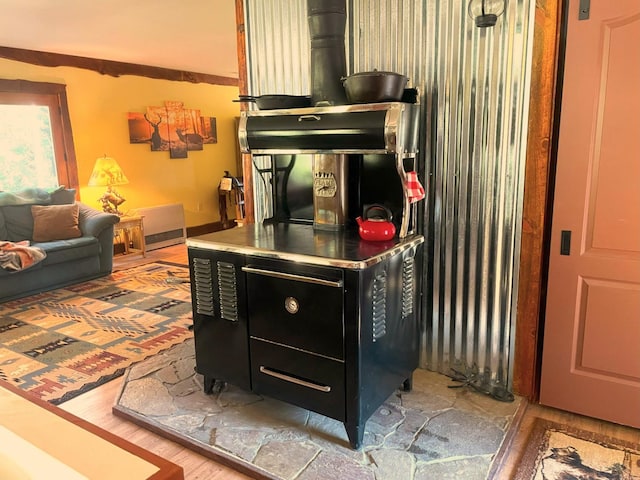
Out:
{"x": 560, "y": 452}
{"x": 62, "y": 343}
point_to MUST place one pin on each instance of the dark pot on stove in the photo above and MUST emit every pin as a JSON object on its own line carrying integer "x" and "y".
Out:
{"x": 374, "y": 87}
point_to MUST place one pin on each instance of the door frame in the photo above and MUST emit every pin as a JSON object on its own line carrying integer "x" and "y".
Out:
{"x": 550, "y": 28}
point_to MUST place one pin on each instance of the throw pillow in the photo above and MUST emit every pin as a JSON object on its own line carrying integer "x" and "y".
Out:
{"x": 55, "y": 222}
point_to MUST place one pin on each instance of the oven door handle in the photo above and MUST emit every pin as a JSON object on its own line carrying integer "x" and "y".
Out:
{"x": 307, "y": 118}
{"x": 291, "y": 276}
{"x": 297, "y": 381}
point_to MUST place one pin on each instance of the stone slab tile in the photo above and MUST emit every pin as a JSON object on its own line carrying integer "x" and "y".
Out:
{"x": 432, "y": 432}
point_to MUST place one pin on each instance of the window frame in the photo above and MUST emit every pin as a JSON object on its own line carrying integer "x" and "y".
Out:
{"x": 53, "y": 95}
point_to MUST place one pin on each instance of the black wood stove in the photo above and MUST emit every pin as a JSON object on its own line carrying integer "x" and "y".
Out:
{"x": 321, "y": 320}
{"x": 298, "y": 307}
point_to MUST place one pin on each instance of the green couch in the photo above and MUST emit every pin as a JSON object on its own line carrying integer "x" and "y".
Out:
{"x": 87, "y": 255}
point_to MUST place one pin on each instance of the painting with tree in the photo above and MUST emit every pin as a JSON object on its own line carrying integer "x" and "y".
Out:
{"x": 172, "y": 128}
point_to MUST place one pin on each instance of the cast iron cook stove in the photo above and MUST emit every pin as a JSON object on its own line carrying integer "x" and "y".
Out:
{"x": 317, "y": 319}
{"x": 305, "y": 311}
{"x": 298, "y": 307}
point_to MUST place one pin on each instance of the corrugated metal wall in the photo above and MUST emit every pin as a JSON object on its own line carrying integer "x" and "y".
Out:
{"x": 474, "y": 84}
{"x": 278, "y": 47}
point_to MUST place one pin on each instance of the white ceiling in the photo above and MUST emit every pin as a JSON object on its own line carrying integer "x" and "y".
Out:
{"x": 192, "y": 35}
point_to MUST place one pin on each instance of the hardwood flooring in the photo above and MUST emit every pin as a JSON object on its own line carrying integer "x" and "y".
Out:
{"x": 95, "y": 407}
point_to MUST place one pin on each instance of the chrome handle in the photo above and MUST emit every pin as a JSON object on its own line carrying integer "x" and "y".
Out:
{"x": 291, "y": 276}
{"x": 297, "y": 381}
{"x": 307, "y": 118}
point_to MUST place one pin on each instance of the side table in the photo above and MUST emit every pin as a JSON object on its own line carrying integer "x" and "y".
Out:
{"x": 126, "y": 227}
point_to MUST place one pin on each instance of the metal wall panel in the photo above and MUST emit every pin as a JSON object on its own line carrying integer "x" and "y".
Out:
{"x": 277, "y": 47}
{"x": 474, "y": 86}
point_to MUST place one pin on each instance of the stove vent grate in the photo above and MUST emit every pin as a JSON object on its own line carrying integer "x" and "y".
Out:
{"x": 379, "y": 306}
{"x": 228, "y": 291}
{"x": 408, "y": 287}
{"x": 203, "y": 286}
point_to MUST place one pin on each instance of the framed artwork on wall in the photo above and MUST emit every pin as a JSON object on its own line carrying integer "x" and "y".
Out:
{"x": 172, "y": 128}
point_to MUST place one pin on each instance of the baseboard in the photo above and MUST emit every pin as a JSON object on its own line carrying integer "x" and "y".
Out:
{"x": 208, "y": 228}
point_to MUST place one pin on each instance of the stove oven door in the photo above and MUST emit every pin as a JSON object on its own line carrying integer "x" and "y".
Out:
{"x": 296, "y": 333}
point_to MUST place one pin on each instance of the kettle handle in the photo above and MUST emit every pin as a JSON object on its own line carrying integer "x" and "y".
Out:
{"x": 378, "y": 208}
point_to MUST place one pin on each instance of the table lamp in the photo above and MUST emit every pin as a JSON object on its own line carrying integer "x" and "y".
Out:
{"x": 107, "y": 172}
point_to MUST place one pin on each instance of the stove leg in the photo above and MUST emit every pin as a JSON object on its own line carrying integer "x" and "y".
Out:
{"x": 209, "y": 382}
{"x": 355, "y": 434}
{"x": 407, "y": 385}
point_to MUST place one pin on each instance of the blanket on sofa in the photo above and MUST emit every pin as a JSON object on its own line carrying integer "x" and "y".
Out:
{"x": 28, "y": 196}
{"x": 17, "y": 256}
{"x": 38, "y": 196}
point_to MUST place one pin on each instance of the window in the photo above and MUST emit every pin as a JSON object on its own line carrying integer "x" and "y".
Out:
{"x": 36, "y": 145}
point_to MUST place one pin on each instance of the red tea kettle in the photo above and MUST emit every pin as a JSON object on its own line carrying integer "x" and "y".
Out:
{"x": 376, "y": 225}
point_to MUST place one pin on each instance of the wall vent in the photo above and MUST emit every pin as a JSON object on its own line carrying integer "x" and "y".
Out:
{"x": 163, "y": 225}
{"x": 379, "y": 299}
{"x": 203, "y": 286}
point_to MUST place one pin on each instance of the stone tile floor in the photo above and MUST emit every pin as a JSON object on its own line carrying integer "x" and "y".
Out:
{"x": 432, "y": 432}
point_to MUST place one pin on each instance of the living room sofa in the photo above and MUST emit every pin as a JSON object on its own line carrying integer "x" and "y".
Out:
{"x": 77, "y": 240}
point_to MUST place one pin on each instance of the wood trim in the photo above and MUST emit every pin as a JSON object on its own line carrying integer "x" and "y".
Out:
{"x": 67, "y": 138}
{"x": 535, "y": 221}
{"x": 217, "y": 455}
{"x": 168, "y": 470}
{"x": 506, "y": 448}
{"x": 64, "y": 146}
{"x": 247, "y": 165}
{"x": 204, "y": 229}
{"x": 112, "y": 68}
{"x": 242, "y": 49}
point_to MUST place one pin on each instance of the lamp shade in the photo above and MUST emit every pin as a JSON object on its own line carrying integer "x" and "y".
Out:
{"x": 107, "y": 172}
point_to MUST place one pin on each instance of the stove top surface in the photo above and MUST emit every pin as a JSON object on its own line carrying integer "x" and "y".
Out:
{"x": 344, "y": 249}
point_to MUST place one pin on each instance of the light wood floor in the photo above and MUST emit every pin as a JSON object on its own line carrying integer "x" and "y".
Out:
{"x": 95, "y": 407}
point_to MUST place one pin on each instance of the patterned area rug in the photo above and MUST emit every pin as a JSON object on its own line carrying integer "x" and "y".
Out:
{"x": 62, "y": 343}
{"x": 560, "y": 452}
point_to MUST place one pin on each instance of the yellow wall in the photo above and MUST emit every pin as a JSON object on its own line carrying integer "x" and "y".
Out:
{"x": 98, "y": 106}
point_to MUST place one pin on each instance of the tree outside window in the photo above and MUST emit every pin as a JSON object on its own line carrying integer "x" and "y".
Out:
{"x": 36, "y": 145}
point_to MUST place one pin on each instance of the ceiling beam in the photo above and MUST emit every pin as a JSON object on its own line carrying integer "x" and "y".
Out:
{"x": 112, "y": 68}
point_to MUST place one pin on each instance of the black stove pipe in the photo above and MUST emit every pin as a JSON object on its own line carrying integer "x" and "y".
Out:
{"x": 327, "y": 22}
